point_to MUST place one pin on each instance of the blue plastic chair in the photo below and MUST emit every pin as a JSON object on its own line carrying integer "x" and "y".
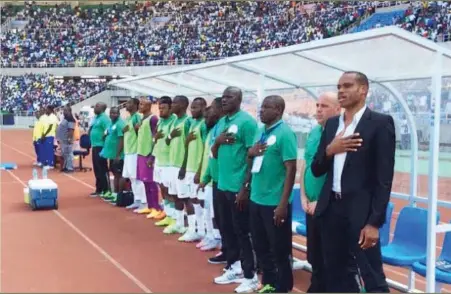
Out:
{"x": 384, "y": 232}
{"x": 441, "y": 276}
{"x": 298, "y": 213}
{"x": 410, "y": 238}
{"x": 85, "y": 143}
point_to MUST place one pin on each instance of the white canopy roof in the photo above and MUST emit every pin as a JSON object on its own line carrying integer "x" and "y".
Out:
{"x": 384, "y": 54}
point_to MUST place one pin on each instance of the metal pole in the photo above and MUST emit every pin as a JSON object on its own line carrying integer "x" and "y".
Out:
{"x": 433, "y": 175}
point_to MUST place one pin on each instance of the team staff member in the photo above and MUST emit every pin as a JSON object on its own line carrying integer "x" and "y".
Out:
{"x": 131, "y": 155}
{"x": 326, "y": 107}
{"x": 273, "y": 159}
{"x": 37, "y": 137}
{"x": 161, "y": 165}
{"x": 65, "y": 138}
{"x": 357, "y": 152}
{"x": 231, "y": 149}
{"x": 97, "y": 131}
{"x": 113, "y": 151}
{"x": 50, "y": 122}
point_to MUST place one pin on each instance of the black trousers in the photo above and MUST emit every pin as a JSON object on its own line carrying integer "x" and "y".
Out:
{"x": 346, "y": 265}
{"x": 273, "y": 246}
{"x": 100, "y": 167}
{"x": 315, "y": 256}
{"x": 237, "y": 238}
{"x": 219, "y": 200}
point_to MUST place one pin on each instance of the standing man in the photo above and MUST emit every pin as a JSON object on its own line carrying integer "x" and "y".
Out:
{"x": 311, "y": 186}
{"x": 273, "y": 159}
{"x": 146, "y": 133}
{"x": 50, "y": 123}
{"x": 161, "y": 166}
{"x": 176, "y": 140}
{"x": 231, "y": 148}
{"x": 37, "y": 137}
{"x": 98, "y": 128}
{"x": 357, "y": 152}
{"x": 113, "y": 150}
{"x": 209, "y": 185}
{"x": 131, "y": 155}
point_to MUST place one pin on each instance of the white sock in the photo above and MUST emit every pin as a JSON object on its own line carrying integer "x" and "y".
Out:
{"x": 199, "y": 212}
{"x": 216, "y": 234}
{"x": 208, "y": 222}
{"x": 180, "y": 218}
{"x": 192, "y": 223}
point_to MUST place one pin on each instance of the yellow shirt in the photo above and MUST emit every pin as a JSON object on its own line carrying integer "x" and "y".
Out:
{"x": 38, "y": 130}
{"x": 47, "y": 121}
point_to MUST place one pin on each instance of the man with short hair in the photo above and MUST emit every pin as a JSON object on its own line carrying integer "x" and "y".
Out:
{"x": 113, "y": 150}
{"x": 131, "y": 155}
{"x": 231, "y": 147}
{"x": 209, "y": 186}
{"x": 176, "y": 140}
{"x": 100, "y": 124}
{"x": 162, "y": 162}
{"x": 326, "y": 107}
{"x": 357, "y": 152}
{"x": 273, "y": 159}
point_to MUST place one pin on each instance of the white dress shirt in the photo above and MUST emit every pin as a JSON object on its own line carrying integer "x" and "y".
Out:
{"x": 339, "y": 159}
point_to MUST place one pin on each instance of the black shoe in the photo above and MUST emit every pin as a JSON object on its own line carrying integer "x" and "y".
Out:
{"x": 218, "y": 259}
{"x": 94, "y": 194}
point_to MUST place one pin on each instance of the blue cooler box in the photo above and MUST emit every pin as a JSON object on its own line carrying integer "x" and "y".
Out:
{"x": 43, "y": 194}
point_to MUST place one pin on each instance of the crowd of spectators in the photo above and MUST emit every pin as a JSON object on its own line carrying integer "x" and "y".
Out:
{"x": 31, "y": 92}
{"x": 428, "y": 19}
{"x": 194, "y": 31}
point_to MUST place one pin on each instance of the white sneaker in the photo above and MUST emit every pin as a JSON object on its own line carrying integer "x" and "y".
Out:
{"x": 189, "y": 236}
{"x": 248, "y": 285}
{"x": 230, "y": 276}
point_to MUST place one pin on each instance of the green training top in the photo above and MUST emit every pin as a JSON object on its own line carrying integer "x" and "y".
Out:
{"x": 114, "y": 134}
{"x": 267, "y": 184}
{"x": 145, "y": 137}
{"x": 177, "y": 145}
{"x": 232, "y": 158}
{"x": 195, "y": 147}
{"x": 161, "y": 149}
{"x": 99, "y": 126}
{"x": 312, "y": 184}
{"x": 131, "y": 137}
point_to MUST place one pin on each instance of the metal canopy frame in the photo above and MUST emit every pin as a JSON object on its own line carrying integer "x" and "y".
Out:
{"x": 385, "y": 54}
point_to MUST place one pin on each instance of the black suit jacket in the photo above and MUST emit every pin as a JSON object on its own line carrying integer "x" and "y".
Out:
{"x": 367, "y": 176}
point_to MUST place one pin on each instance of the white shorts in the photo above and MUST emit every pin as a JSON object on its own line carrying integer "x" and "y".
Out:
{"x": 130, "y": 166}
{"x": 189, "y": 188}
{"x": 157, "y": 173}
{"x": 175, "y": 186}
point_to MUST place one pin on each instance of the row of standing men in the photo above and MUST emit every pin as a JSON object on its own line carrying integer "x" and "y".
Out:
{"x": 233, "y": 180}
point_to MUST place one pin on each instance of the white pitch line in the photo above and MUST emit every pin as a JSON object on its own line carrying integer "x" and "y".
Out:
{"x": 119, "y": 266}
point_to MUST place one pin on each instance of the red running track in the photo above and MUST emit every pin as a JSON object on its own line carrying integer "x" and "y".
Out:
{"x": 90, "y": 246}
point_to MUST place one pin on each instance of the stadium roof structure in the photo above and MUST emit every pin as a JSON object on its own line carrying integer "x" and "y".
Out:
{"x": 385, "y": 54}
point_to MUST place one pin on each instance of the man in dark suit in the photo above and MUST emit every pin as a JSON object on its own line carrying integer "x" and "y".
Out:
{"x": 357, "y": 152}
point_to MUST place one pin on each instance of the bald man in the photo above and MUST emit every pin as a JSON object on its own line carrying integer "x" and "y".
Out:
{"x": 326, "y": 107}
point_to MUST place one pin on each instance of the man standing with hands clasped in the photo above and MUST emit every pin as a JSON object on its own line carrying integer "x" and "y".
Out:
{"x": 311, "y": 186}
{"x": 273, "y": 160}
{"x": 357, "y": 152}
